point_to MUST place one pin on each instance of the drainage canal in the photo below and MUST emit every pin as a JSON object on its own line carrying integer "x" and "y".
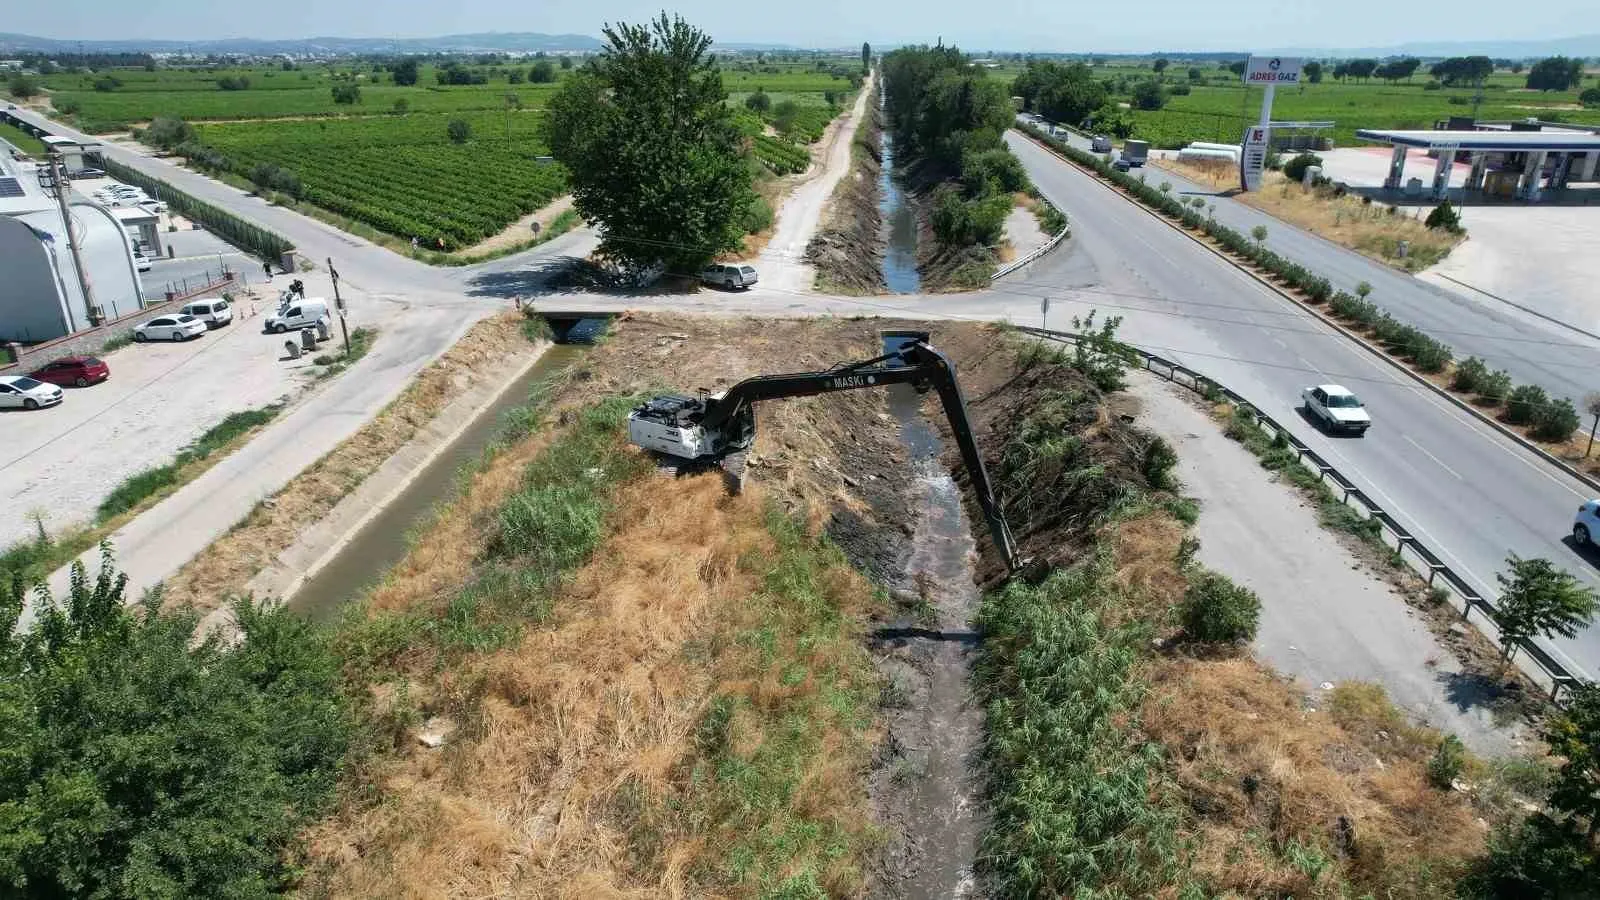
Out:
{"x": 384, "y": 540}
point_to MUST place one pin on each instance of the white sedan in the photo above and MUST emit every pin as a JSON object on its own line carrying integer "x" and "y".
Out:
{"x": 170, "y": 328}
{"x": 22, "y": 392}
{"x": 1335, "y": 408}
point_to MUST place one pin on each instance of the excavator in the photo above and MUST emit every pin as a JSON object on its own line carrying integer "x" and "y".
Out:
{"x": 720, "y": 428}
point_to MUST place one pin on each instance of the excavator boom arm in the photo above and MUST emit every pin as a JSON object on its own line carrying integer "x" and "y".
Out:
{"x": 920, "y": 365}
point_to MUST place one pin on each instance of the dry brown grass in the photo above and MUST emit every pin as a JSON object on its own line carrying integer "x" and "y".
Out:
{"x": 573, "y": 775}
{"x": 1369, "y": 229}
{"x": 1290, "y": 802}
{"x": 579, "y": 768}
{"x": 223, "y": 569}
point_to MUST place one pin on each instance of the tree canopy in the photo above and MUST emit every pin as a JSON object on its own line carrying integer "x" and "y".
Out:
{"x": 1060, "y": 93}
{"x": 1539, "y": 598}
{"x": 651, "y": 147}
{"x": 1462, "y": 70}
{"x": 940, "y": 105}
{"x": 1555, "y": 73}
{"x": 139, "y": 764}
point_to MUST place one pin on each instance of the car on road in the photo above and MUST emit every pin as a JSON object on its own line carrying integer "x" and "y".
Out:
{"x": 79, "y": 371}
{"x": 730, "y": 276}
{"x": 1121, "y": 165}
{"x": 1100, "y": 144}
{"x": 1587, "y": 524}
{"x": 214, "y": 311}
{"x": 1335, "y": 408}
{"x": 177, "y": 327}
{"x": 26, "y": 392}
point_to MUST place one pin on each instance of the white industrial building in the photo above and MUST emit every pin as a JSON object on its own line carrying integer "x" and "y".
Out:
{"x": 41, "y": 293}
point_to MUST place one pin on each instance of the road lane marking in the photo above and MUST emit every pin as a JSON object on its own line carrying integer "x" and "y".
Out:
{"x": 1311, "y": 365}
{"x": 1432, "y": 457}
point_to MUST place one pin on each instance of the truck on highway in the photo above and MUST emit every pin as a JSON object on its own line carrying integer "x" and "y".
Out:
{"x": 1136, "y": 152}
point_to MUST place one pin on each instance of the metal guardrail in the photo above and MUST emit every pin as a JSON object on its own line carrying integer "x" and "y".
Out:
{"x": 1407, "y": 546}
{"x": 1037, "y": 252}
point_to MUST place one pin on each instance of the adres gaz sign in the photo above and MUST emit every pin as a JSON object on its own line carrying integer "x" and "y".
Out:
{"x": 1272, "y": 70}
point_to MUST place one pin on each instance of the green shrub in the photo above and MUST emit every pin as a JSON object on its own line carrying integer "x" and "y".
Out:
{"x": 1157, "y": 463}
{"x": 1495, "y": 387}
{"x": 1430, "y": 355}
{"x": 1555, "y": 421}
{"x": 1295, "y": 169}
{"x": 1445, "y": 765}
{"x": 1218, "y": 611}
{"x": 1468, "y": 375}
{"x": 1524, "y": 404}
{"x": 141, "y": 763}
{"x": 1444, "y": 216}
{"x": 1537, "y": 858}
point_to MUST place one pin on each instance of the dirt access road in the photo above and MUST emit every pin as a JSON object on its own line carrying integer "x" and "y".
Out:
{"x": 783, "y": 266}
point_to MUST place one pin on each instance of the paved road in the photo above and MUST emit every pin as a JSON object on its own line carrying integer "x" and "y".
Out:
{"x": 1531, "y": 349}
{"x": 1469, "y": 492}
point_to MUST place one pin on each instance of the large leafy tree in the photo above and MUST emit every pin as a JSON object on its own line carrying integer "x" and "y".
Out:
{"x": 1556, "y": 73}
{"x": 136, "y": 763}
{"x": 1574, "y": 735}
{"x": 1060, "y": 93}
{"x": 653, "y": 154}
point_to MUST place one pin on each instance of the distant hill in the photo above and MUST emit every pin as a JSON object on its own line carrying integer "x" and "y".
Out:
{"x": 507, "y": 42}
{"x": 1587, "y": 45}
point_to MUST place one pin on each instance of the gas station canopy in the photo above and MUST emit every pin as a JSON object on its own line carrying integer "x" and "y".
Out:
{"x": 1518, "y": 157}
{"x": 1503, "y": 141}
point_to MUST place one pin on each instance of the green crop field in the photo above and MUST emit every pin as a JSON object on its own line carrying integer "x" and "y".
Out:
{"x": 22, "y": 140}
{"x": 402, "y": 174}
{"x": 1221, "y": 113}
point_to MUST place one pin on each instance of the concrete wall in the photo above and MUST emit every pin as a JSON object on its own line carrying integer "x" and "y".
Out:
{"x": 30, "y": 292}
{"x": 92, "y": 340}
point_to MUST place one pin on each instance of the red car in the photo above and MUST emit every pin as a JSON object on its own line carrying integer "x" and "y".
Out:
{"x": 79, "y": 371}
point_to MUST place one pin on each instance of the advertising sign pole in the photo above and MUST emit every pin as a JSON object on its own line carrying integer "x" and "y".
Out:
{"x": 1269, "y": 72}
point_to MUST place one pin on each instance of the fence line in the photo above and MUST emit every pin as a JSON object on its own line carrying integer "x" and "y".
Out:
{"x": 1420, "y": 557}
{"x": 1037, "y": 252}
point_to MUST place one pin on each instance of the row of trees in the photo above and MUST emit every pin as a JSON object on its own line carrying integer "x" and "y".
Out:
{"x": 543, "y": 71}
{"x": 947, "y": 117}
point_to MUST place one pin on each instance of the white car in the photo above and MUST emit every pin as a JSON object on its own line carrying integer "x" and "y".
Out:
{"x": 214, "y": 311}
{"x": 20, "y": 391}
{"x": 179, "y": 327}
{"x": 1587, "y": 524}
{"x": 140, "y": 261}
{"x": 1336, "y": 408}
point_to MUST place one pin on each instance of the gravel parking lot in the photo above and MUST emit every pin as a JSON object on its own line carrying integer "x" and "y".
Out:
{"x": 62, "y": 461}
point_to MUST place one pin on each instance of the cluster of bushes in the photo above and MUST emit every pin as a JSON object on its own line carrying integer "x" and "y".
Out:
{"x": 231, "y": 228}
{"x": 272, "y": 177}
{"x": 1548, "y": 420}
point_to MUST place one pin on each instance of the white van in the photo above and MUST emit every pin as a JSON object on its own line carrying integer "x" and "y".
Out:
{"x": 214, "y": 311}
{"x": 297, "y": 314}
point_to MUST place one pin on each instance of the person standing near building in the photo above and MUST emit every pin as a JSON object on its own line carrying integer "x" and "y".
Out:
{"x": 266, "y": 266}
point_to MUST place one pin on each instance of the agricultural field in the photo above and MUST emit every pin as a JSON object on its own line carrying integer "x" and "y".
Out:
{"x": 403, "y": 174}
{"x": 22, "y": 140}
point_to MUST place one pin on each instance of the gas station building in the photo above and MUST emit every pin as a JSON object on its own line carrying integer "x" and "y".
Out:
{"x": 1512, "y": 163}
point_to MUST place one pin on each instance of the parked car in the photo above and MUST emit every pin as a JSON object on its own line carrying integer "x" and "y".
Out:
{"x": 1335, "y": 408}
{"x": 1587, "y": 524}
{"x": 80, "y": 371}
{"x": 153, "y": 207}
{"x": 86, "y": 173}
{"x": 214, "y": 311}
{"x": 304, "y": 314}
{"x": 140, "y": 261}
{"x": 730, "y": 276}
{"x": 25, "y": 392}
{"x": 179, "y": 327}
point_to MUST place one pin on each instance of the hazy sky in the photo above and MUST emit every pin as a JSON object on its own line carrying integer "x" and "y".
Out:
{"x": 1128, "y": 25}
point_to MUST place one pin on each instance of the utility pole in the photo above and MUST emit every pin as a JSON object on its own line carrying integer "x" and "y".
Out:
{"x": 338, "y": 303}
{"x": 58, "y": 186}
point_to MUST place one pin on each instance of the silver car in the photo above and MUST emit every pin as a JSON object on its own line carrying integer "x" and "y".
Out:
{"x": 729, "y": 276}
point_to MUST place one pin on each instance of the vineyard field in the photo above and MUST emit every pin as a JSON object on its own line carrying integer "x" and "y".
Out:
{"x": 115, "y": 111}
{"x": 401, "y": 174}
{"x": 781, "y": 156}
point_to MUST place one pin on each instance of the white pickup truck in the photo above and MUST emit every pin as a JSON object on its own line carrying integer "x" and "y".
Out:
{"x": 1334, "y": 408}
